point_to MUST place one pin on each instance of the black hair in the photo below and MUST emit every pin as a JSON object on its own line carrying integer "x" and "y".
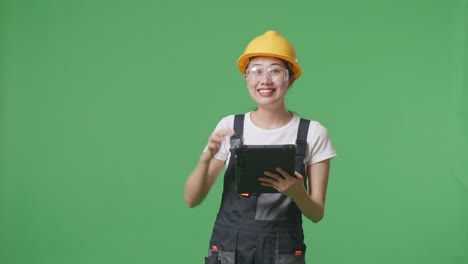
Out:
{"x": 289, "y": 67}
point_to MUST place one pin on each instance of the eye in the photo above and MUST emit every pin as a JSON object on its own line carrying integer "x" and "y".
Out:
{"x": 256, "y": 71}
{"x": 274, "y": 71}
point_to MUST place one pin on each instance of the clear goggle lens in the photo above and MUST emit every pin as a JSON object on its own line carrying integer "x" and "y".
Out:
{"x": 275, "y": 74}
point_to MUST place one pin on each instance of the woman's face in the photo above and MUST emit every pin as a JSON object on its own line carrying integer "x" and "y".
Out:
{"x": 267, "y": 80}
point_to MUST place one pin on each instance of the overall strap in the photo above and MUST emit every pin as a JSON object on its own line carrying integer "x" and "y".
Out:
{"x": 236, "y": 139}
{"x": 301, "y": 146}
{"x": 303, "y": 130}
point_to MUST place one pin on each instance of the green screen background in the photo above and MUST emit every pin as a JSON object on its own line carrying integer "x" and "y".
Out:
{"x": 106, "y": 105}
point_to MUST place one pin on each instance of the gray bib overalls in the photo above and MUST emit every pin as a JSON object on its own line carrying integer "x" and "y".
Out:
{"x": 258, "y": 228}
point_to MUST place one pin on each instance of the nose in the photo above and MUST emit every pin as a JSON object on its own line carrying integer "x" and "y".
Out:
{"x": 266, "y": 78}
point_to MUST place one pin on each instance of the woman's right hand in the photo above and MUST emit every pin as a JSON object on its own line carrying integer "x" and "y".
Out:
{"x": 215, "y": 141}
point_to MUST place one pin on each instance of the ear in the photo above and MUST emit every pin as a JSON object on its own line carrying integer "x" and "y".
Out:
{"x": 245, "y": 79}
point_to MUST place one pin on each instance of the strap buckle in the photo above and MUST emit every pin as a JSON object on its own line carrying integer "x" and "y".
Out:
{"x": 236, "y": 141}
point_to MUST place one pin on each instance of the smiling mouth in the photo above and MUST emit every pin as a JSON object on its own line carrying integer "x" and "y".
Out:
{"x": 266, "y": 91}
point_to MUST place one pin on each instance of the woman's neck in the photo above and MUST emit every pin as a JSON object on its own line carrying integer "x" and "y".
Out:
{"x": 269, "y": 118}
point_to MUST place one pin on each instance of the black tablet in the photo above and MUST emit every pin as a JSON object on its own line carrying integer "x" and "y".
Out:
{"x": 251, "y": 161}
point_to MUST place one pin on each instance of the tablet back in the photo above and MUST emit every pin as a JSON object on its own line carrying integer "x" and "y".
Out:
{"x": 253, "y": 160}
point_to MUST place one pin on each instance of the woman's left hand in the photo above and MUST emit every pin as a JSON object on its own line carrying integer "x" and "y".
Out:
{"x": 287, "y": 185}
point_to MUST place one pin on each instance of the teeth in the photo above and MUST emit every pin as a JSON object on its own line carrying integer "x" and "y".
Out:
{"x": 265, "y": 91}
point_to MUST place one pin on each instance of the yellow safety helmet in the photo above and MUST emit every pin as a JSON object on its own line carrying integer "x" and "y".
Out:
{"x": 270, "y": 44}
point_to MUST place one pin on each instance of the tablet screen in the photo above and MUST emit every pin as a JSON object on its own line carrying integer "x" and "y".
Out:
{"x": 252, "y": 161}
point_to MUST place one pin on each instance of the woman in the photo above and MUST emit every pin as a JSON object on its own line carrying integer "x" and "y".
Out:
{"x": 265, "y": 227}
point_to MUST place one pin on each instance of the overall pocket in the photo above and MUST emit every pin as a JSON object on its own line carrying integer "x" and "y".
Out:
{"x": 220, "y": 257}
{"x": 291, "y": 259}
{"x": 212, "y": 258}
{"x": 243, "y": 205}
{"x": 223, "y": 245}
{"x": 291, "y": 248}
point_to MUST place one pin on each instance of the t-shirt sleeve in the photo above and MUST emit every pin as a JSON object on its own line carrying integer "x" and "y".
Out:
{"x": 223, "y": 153}
{"x": 320, "y": 145}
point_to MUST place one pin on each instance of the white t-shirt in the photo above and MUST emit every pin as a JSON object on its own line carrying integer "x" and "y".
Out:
{"x": 319, "y": 144}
